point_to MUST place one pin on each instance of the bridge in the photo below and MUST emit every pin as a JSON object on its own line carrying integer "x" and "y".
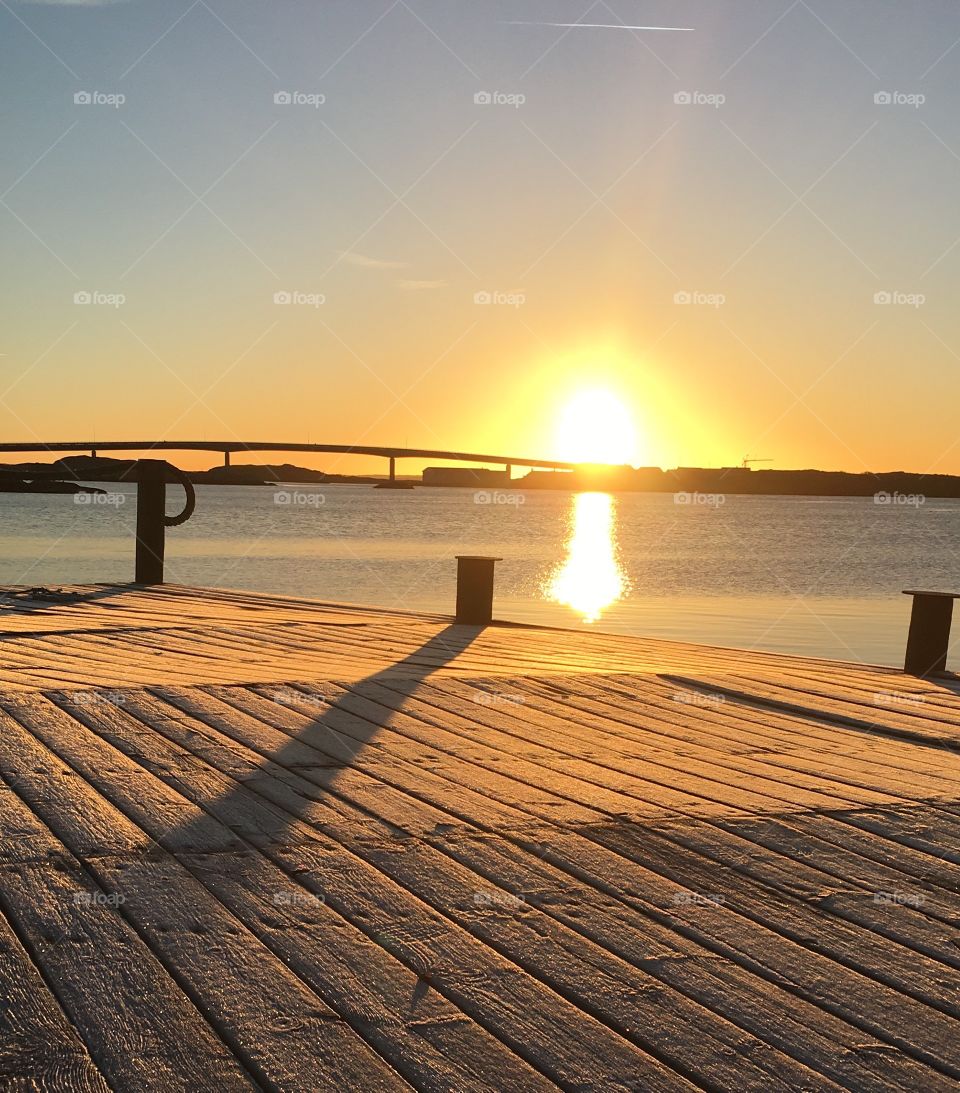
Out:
{"x": 229, "y": 447}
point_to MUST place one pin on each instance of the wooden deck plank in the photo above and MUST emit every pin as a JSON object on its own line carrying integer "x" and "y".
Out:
{"x": 39, "y": 1048}
{"x": 364, "y": 848}
{"x": 697, "y": 972}
{"x": 330, "y": 957}
{"x": 279, "y": 1029}
{"x": 561, "y": 1040}
{"x": 101, "y": 971}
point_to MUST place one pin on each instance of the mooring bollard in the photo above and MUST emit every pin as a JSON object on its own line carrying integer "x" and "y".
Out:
{"x": 929, "y": 637}
{"x": 151, "y": 520}
{"x": 475, "y": 589}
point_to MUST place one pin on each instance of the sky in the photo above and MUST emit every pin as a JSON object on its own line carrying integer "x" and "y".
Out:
{"x": 435, "y": 223}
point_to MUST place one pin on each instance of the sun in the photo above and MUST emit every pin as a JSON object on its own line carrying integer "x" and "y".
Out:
{"x": 596, "y": 426}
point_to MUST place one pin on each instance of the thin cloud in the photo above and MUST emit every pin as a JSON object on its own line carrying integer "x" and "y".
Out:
{"x": 366, "y": 262}
{"x": 591, "y": 26}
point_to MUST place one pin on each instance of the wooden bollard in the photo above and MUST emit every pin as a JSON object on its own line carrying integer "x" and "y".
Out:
{"x": 151, "y": 517}
{"x": 929, "y": 638}
{"x": 474, "y": 589}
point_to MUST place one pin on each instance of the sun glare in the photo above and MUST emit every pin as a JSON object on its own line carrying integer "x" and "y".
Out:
{"x": 596, "y": 427}
{"x": 591, "y": 577}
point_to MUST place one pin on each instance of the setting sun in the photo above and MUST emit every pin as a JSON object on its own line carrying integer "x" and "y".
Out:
{"x": 595, "y": 426}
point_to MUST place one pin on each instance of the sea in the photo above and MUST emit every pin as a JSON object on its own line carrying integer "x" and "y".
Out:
{"x": 807, "y": 575}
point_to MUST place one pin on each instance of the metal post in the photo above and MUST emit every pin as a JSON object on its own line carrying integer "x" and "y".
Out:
{"x": 474, "y": 589}
{"x": 151, "y": 510}
{"x": 929, "y": 637}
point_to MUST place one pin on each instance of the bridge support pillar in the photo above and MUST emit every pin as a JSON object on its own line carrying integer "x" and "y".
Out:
{"x": 226, "y": 459}
{"x": 509, "y": 470}
{"x": 151, "y": 516}
{"x": 474, "y": 589}
{"x": 393, "y": 468}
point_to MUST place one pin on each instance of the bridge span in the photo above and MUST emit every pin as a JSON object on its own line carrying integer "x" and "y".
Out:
{"x": 231, "y": 447}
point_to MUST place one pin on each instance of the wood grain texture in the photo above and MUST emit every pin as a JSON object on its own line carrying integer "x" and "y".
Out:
{"x": 250, "y": 841}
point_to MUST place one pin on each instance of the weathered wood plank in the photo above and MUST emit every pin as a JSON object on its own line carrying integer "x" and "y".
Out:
{"x": 282, "y": 1032}
{"x": 561, "y": 1040}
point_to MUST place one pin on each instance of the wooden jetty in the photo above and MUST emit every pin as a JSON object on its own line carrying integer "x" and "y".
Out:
{"x": 251, "y": 841}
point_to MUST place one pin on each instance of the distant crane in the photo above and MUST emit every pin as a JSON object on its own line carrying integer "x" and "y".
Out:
{"x": 747, "y": 460}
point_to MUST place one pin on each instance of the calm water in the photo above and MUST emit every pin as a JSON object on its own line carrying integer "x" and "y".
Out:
{"x": 788, "y": 574}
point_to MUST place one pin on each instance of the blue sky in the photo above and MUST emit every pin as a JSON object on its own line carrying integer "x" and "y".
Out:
{"x": 730, "y": 227}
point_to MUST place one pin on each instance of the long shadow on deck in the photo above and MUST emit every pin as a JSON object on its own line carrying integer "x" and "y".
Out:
{"x": 320, "y": 750}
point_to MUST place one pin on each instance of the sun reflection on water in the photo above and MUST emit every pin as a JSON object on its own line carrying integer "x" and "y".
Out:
{"x": 591, "y": 577}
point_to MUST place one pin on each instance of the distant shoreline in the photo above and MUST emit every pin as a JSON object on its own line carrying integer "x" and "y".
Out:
{"x": 691, "y": 484}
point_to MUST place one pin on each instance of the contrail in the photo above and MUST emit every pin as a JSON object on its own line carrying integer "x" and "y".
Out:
{"x": 595, "y": 26}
